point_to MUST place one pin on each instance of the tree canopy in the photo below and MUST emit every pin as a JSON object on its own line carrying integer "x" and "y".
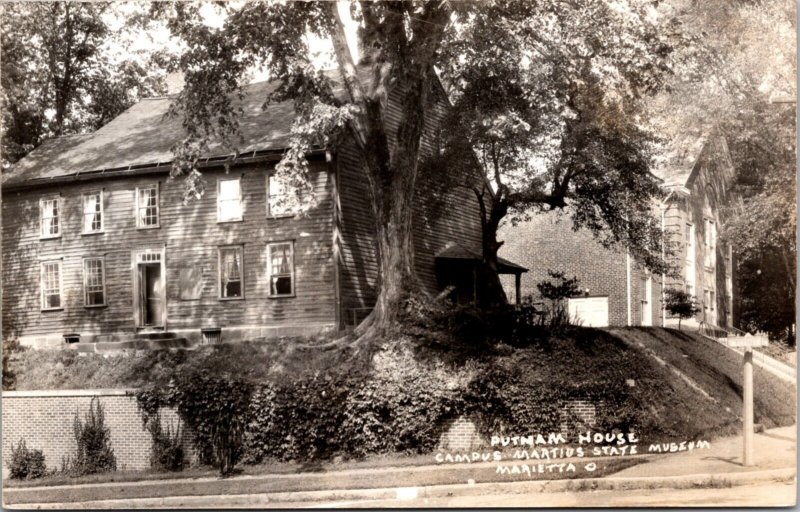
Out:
{"x": 69, "y": 67}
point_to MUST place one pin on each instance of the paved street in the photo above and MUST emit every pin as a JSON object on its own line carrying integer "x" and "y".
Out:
{"x": 777, "y": 494}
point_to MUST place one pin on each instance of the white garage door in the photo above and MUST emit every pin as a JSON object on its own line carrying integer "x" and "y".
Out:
{"x": 589, "y": 311}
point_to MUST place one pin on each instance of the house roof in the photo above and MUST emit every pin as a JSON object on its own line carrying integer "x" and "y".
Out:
{"x": 679, "y": 156}
{"x": 454, "y": 251}
{"x": 143, "y": 135}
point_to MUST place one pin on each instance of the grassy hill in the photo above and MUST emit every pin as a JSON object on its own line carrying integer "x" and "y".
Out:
{"x": 718, "y": 371}
{"x": 519, "y": 387}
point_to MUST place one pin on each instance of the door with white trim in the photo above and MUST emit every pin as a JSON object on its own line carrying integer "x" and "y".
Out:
{"x": 149, "y": 289}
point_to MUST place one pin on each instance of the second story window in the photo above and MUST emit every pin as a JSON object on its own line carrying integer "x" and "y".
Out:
{"x": 710, "y": 254}
{"x": 229, "y": 200}
{"x": 278, "y": 200}
{"x": 147, "y": 207}
{"x": 50, "y": 217}
{"x": 93, "y": 212}
{"x": 51, "y": 285}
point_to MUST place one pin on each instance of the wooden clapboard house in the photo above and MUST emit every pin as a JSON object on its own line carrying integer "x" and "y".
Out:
{"x": 98, "y": 244}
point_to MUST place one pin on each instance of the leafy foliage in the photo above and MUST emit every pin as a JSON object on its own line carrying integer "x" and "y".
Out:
{"x": 25, "y": 463}
{"x": 679, "y": 303}
{"x": 93, "y": 440}
{"x": 166, "y": 450}
{"x": 62, "y": 71}
{"x": 213, "y": 405}
{"x": 557, "y": 293}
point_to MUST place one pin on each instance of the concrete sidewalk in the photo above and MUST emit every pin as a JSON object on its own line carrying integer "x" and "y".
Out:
{"x": 716, "y": 466}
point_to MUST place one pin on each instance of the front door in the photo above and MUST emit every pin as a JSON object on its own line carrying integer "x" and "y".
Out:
{"x": 149, "y": 290}
{"x": 152, "y": 305}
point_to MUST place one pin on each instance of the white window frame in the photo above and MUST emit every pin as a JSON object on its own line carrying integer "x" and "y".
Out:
{"x": 291, "y": 274}
{"x": 42, "y": 289}
{"x": 219, "y": 200}
{"x": 99, "y": 193}
{"x": 220, "y": 249}
{"x": 102, "y": 261}
{"x": 59, "y": 206}
{"x": 269, "y": 202}
{"x": 139, "y": 225}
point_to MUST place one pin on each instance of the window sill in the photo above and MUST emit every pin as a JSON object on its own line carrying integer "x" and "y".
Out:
{"x": 95, "y": 306}
{"x": 291, "y": 296}
{"x": 229, "y": 221}
{"x": 48, "y": 310}
{"x": 51, "y": 237}
{"x": 101, "y": 232}
{"x": 227, "y": 299}
{"x": 149, "y": 227}
{"x": 282, "y": 216}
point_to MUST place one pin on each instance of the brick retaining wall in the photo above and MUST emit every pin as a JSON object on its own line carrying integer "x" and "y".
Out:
{"x": 44, "y": 419}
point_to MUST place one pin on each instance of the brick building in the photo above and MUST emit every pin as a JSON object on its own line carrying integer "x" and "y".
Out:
{"x": 697, "y": 175}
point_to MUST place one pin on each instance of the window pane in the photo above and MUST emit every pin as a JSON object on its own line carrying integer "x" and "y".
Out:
{"x": 231, "y": 272}
{"x": 95, "y": 288}
{"x": 148, "y": 206}
{"x": 229, "y": 201}
{"x": 49, "y": 214}
{"x": 51, "y": 285}
{"x": 92, "y": 216}
{"x": 280, "y": 269}
{"x": 280, "y": 201}
{"x": 281, "y": 285}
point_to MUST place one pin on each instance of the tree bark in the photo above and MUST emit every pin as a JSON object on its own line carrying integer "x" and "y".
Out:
{"x": 491, "y": 293}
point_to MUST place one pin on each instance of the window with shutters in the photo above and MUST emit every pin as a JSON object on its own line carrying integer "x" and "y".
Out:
{"x": 280, "y": 269}
{"x": 50, "y": 217}
{"x": 231, "y": 273}
{"x": 94, "y": 282}
{"x": 147, "y": 207}
{"x": 51, "y": 285}
{"x": 93, "y": 212}
{"x": 229, "y": 200}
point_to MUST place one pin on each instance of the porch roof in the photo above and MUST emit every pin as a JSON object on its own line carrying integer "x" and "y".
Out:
{"x": 454, "y": 251}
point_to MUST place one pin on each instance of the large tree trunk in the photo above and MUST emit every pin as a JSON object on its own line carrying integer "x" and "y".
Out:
{"x": 490, "y": 292}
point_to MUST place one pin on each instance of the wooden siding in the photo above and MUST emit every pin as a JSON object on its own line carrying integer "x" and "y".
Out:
{"x": 190, "y": 234}
{"x": 440, "y": 217}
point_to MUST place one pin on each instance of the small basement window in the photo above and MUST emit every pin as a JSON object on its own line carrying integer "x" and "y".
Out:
{"x": 231, "y": 278}
{"x": 93, "y": 212}
{"x": 280, "y": 269}
{"x": 94, "y": 282}
{"x": 50, "y": 217}
{"x": 51, "y": 285}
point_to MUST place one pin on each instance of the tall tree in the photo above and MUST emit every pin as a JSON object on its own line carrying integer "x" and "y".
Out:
{"x": 748, "y": 59}
{"x": 59, "y": 73}
{"x": 402, "y": 44}
{"x": 549, "y": 95}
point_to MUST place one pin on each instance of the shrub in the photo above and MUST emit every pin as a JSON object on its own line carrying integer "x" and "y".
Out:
{"x": 214, "y": 406}
{"x": 94, "y": 453}
{"x": 26, "y": 464}
{"x": 679, "y": 303}
{"x": 557, "y": 290}
{"x": 166, "y": 450}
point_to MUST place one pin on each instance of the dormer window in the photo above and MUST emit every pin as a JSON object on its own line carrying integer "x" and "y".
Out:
{"x": 93, "y": 212}
{"x": 50, "y": 217}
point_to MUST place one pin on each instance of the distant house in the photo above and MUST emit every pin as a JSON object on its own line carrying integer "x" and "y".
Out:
{"x": 616, "y": 290}
{"x": 97, "y": 241}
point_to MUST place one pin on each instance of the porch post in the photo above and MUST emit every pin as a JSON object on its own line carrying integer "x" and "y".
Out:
{"x": 518, "y": 287}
